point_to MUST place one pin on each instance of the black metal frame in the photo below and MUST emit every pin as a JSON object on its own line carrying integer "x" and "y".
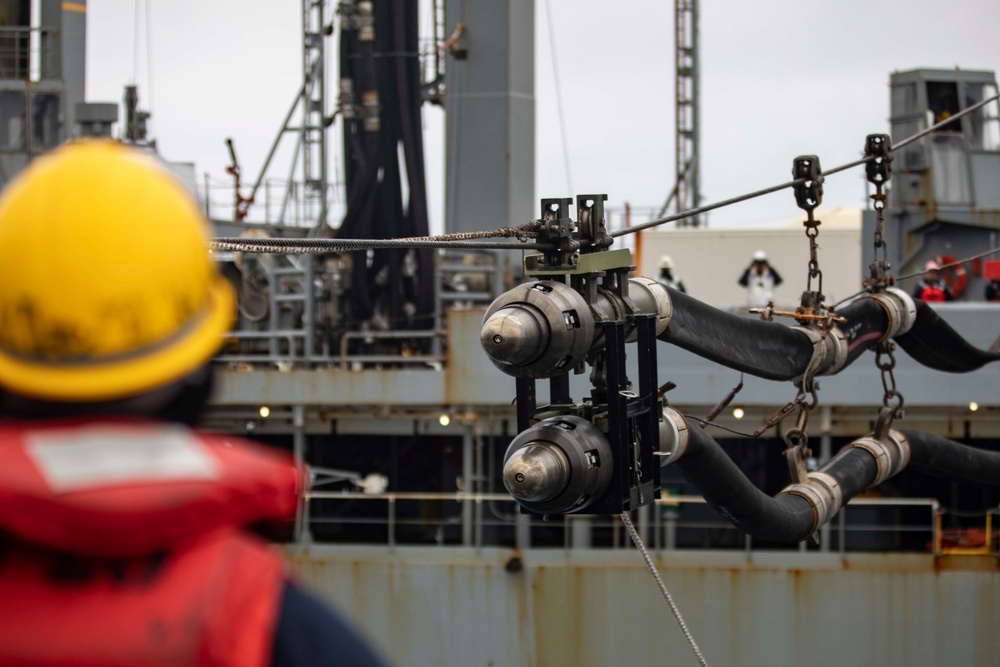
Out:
{"x": 632, "y": 419}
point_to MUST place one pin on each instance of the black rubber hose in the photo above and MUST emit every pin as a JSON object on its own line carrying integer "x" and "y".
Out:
{"x": 866, "y": 325}
{"x": 765, "y": 349}
{"x": 932, "y": 342}
{"x": 769, "y": 350}
{"x": 724, "y": 486}
{"x": 787, "y": 518}
{"x": 946, "y": 458}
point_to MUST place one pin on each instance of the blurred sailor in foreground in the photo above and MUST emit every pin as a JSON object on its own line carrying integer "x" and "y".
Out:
{"x": 123, "y": 532}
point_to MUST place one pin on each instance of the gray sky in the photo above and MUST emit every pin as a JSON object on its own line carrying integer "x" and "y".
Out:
{"x": 779, "y": 79}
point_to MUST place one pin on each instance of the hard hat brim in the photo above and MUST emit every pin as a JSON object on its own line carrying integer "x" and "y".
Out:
{"x": 99, "y": 380}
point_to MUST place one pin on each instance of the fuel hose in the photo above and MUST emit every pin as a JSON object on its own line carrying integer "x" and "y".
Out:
{"x": 946, "y": 458}
{"x": 933, "y": 343}
{"x": 769, "y": 350}
{"x": 785, "y": 518}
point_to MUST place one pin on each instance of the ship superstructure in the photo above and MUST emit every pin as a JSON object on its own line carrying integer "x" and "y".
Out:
{"x": 370, "y": 367}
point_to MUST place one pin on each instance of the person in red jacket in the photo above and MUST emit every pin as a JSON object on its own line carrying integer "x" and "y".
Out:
{"x": 932, "y": 287}
{"x": 123, "y": 531}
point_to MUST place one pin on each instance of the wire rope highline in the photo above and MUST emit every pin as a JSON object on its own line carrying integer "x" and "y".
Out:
{"x": 460, "y": 242}
{"x": 776, "y": 188}
{"x": 319, "y": 246}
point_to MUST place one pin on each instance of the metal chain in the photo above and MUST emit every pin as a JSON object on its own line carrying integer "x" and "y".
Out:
{"x": 809, "y": 195}
{"x": 878, "y": 203}
{"x": 878, "y": 147}
{"x": 663, "y": 587}
{"x": 797, "y": 438}
{"x": 888, "y": 377}
{"x": 812, "y": 231}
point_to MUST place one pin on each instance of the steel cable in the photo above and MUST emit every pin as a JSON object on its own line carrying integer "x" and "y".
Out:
{"x": 955, "y": 263}
{"x": 663, "y": 588}
{"x": 288, "y": 246}
{"x": 776, "y": 188}
{"x": 319, "y": 246}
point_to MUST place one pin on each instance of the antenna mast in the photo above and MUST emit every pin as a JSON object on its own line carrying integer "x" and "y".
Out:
{"x": 314, "y": 122}
{"x": 687, "y": 115}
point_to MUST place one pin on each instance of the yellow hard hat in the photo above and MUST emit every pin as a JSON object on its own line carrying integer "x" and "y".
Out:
{"x": 107, "y": 289}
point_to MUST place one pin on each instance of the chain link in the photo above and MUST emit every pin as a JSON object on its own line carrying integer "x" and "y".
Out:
{"x": 812, "y": 231}
{"x": 878, "y": 147}
{"x": 890, "y": 392}
{"x": 808, "y": 195}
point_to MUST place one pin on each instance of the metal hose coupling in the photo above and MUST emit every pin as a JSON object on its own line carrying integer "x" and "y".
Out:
{"x": 674, "y": 437}
{"x": 891, "y": 452}
{"x": 823, "y": 491}
{"x": 829, "y": 349}
{"x": 899, "y": 309}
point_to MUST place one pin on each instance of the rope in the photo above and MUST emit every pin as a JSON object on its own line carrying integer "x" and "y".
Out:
{"x": 663, "y": 588}
{"x": 319, "y": 246}
{"x": 456, "y": 240}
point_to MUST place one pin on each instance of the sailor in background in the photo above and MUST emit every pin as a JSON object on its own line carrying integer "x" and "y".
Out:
{"x": 932, "y": 287}
{"x": 667, "y": 277}
{"x": 760, "y": 279}
{"x": 992, "y": 291}
{"x": 124, "y": 532}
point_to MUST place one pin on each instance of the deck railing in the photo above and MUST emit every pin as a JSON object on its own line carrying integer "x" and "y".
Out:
{"x": 673, "y": 522}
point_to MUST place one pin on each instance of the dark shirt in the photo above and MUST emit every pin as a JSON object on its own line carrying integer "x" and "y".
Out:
{"x": 310, "y": 634}
{"x": 745, "y": 278}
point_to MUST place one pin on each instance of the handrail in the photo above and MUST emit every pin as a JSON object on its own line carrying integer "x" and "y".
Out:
{"x": 661, "y": 525}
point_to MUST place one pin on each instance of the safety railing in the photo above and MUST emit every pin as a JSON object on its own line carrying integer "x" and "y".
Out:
{"x": 277, "y": 202}
{"x": 294, "y": 330}
{"x": 673, "y": 522}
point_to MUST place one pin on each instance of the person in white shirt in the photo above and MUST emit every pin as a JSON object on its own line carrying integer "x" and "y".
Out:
{"x": 760, "y": 279}
{"x": 667, "y": 276}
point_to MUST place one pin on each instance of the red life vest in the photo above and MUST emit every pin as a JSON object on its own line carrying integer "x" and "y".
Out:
{"x": 931, "y": 292}
{"x": 122, "y": 543}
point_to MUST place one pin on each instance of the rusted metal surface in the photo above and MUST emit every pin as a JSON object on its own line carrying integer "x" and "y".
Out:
{"x": 460, "y": 606}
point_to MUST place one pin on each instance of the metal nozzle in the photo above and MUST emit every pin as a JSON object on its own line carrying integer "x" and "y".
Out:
{"x": 536, "y": 473}
{"x": 513, "y": 336}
